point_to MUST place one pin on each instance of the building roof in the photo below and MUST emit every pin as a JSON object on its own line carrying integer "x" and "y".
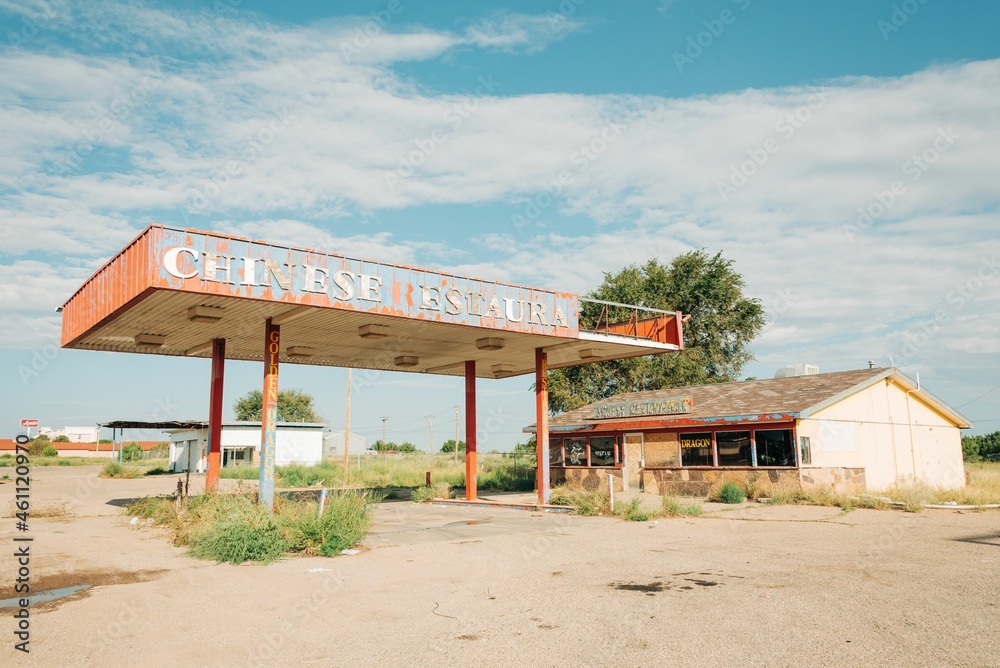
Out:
{"x": 773, "y": 399}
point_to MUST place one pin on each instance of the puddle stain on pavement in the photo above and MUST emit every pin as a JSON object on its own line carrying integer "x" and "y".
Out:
{"x": 50, "y": 591}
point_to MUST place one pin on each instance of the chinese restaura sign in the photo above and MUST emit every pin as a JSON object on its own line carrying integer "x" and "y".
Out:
{"x": 643, "y": 408}
{"x": 201, "y": 262}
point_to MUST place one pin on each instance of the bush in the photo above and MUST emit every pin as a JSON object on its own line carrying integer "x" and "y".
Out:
{"x": 63, "y": 462}
{"x": 50, "y": 451}
{"x": 38, "y": 446}
{"x": 61, "y": 439}
{"x": 730, "y": 493}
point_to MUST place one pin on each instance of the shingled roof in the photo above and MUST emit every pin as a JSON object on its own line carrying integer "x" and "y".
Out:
{"x": 794, "y": 397}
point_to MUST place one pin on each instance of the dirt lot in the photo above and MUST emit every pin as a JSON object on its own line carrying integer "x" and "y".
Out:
{"x": 436, "y": 586}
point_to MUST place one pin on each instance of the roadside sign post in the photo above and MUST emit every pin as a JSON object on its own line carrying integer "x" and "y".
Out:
{"x": 28, "y": 423}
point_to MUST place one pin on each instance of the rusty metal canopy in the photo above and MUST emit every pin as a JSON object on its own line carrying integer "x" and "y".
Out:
{"x": 172, "y": 291}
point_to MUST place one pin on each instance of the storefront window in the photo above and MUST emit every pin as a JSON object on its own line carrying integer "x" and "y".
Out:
{"x": 602, "y": 451}
{"x": 734, "y": 448}
{"x": 576, "y": 451}
{"x": 775, "y": 447}
{"x": 696, "y": 449}
{"x": 555, "y": 452}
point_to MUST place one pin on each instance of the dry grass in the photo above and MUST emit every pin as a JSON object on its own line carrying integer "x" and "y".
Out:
{"x": 58, "y": 510}
{"x": 983, "y": 489}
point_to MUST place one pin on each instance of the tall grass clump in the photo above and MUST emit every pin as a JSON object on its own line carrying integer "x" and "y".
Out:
{"x": 587, "y": 503}
{"x": 234, "y": 528}
{"x": 673, "y": 507}
{"x": 344, "y": 523}
{"x": 729, "y": 492}
{"x": 633, "y": 511}
{"x": 116, "y": 470}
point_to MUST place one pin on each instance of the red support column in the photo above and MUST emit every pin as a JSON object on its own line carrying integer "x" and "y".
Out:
{"x": 542, "y": 424}
{"x": 215, "y": 414}
{"x": 470, "y": 431}
{"x": 269, "y": 414}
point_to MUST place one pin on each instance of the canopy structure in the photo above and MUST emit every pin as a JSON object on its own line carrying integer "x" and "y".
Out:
{"x": 201, "y": 294}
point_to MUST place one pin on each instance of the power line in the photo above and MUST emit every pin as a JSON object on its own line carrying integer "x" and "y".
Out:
{"x": 981, "y": 397}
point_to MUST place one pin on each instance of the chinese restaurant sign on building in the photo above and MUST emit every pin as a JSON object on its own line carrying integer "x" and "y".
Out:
{"x": 642, "y": 408}
{"x": 235, "y": 267}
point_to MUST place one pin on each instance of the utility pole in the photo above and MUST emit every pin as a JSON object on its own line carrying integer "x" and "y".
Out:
{"x": 456, "y": 433}
{"x": 347, "y": 430}
{"x": 384, "y": 420}
{"x": 430, "y": 448}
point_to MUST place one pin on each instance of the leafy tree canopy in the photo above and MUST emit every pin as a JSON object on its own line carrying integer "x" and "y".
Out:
{"x": 716, "y": 338}
{"x": 449, "y": 446}
{"x": 983, "y": 446}
{"x": 389, "y": 446}
{"x": 293, "y": 406}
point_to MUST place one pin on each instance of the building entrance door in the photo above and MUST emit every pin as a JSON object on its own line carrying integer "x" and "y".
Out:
{"x": 633, "y": 461}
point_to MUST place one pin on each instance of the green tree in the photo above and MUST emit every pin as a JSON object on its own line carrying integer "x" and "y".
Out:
{"x": 525, "y": 452}
{"x": 983, "y": 446}
{"x": 389, "y": 446}
{"x": 716, "y": 338}
{"x": 62, "y": 438}
{"x": 449, "y": 446}
{"x": 293, "y": 406}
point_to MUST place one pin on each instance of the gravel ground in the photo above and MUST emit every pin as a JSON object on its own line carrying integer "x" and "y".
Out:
{"x": 450, "y": 586}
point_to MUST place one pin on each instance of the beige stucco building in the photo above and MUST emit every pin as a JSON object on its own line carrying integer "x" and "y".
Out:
{"x": 850, "y": 430}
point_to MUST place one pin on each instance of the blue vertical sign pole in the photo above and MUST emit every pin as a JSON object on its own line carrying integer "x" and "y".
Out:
{"x": 269, "y": 414}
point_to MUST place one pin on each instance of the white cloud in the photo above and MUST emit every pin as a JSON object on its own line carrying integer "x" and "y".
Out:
{"x": 516, "y": 32}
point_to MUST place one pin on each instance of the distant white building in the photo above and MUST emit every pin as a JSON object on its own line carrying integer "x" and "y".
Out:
{"x": 296, "y": 443}
{"x": 333, "y": 444}
{"x": 74, "y": 434}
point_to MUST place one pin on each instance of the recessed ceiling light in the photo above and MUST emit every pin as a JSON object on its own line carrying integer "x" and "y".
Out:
{"x": 490, "y": 344}
{"x": 373, "y": 331}
{"x": 150, "y": 340}
{"x": 205, "y": 314}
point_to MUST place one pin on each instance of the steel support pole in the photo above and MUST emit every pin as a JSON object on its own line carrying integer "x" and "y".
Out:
{"x": 215, "y": 414}
{"x": 269, "y": 413}
{"x": 542, "y": 423}
{"x": 470, "y": 431}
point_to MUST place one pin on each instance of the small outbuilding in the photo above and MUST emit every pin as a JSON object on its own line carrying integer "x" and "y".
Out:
{"x": 851, "y": 430}
{"x": 295, "y": 443}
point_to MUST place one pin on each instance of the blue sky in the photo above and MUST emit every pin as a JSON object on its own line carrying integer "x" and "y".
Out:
{"x": 842, "y": 154}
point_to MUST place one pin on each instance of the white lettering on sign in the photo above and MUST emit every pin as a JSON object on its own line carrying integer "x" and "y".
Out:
{"x": 500, "y": 303}
{"x": 642, "y": 408}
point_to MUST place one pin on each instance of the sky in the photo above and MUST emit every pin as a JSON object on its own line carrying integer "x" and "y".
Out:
{"x": 843, "y": 155}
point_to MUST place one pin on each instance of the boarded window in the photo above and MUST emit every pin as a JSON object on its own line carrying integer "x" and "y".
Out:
{"x": 555, "y": 452}
{"x": 734, "y": 448}
{"x": 775, "y": 447}
{"x": 696, "y": 449}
